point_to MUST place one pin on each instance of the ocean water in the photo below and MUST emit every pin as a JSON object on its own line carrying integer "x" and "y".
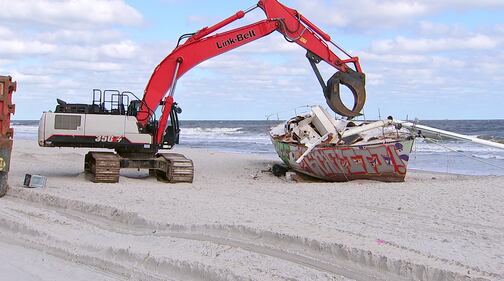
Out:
{"x": 252, "y": 137}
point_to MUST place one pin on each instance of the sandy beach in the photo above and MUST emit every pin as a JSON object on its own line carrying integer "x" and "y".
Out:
{"x": 239, "y": 222}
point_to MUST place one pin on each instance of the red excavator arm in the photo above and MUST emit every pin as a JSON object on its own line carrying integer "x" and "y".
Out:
{"x": 202, "y": 46}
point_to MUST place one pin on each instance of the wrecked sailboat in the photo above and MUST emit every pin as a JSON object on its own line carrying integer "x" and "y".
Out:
{"x": 340, "y": 150}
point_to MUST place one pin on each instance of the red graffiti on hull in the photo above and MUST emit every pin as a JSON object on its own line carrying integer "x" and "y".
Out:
{"x": 331, "y": 162}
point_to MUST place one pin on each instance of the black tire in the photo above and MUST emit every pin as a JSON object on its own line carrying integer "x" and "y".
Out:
{"x": 3, "y": 183}
{"x": 279, "y": 170}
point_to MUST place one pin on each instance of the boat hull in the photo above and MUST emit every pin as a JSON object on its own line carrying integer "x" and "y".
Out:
{"x": 387, "y": 162}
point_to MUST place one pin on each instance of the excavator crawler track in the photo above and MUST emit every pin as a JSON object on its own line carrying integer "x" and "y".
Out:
{"x": 103, "y": 167}
{"x": 175, "y": 168}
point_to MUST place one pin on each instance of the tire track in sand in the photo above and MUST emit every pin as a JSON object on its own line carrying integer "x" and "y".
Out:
{"x": 328, "y": 257}
{"x": 121, "y": 263}
{"x": 22, "y": 220}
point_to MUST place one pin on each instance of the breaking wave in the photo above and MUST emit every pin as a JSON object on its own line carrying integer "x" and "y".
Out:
{"x": 25, "y": 132}
{"x": 199, "y": 131}
{"x": 222, "y": 134}
{"x": 252, "y": 137}
{"x": 496, "y": 157}
{"x": 450, "y": 146}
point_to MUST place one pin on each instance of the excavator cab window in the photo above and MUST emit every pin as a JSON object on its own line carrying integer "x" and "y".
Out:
{"x": 134, "y": 107}
{"x": 172, "y": 132}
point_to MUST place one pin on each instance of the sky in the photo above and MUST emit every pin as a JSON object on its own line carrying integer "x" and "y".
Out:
{"x": 426, "y": 59}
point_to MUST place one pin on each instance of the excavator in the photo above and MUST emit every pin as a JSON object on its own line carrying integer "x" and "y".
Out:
{"x": 121, "y": 121}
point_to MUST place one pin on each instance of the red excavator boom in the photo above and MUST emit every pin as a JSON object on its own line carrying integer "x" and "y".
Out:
{"x": 201, "y": 46}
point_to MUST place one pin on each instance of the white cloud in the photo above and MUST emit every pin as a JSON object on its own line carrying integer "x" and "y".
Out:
{"x": 374, "y": 14}
{"x": 428, "y": 28}
{"x": 64, "y": 49}
{"x": 403, "y": 44}
{"x": 362, "y": 13}
{"x": 444, "y": 62}
{"x": 5, "y": 32}
{"x": 75, "y": 12}
{"x": 424, "y": 62}
{"x": 87, "y": 66}
{"x": 2, "y": 61}
{"x": 84, "y": 36}
{"x": 122, "y": 50}
{"x": 500, "y": 28}
{"x": 396, "y": 58}
{"x": 467, "y": 4}
{"x": 17, "y": 47}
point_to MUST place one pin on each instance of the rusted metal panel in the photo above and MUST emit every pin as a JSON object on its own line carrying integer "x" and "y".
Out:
{"x": 7, "y": 88}
{"x": 381, "y": 162}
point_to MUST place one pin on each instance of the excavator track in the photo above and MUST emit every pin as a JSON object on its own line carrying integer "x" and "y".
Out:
{"x": 104, "y": 167}
{"x": 175, "y": 168}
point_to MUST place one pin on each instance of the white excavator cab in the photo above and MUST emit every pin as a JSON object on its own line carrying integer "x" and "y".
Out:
{"x": 111, "y": 122}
